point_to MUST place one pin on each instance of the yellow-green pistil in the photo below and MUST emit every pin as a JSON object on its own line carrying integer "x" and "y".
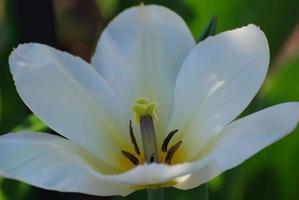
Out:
{"x": 144, "y": 112}
{"x": 144, "y": 115}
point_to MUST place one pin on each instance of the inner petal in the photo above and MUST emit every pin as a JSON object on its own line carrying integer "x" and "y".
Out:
{"x": 217, "y": 81}
{"x": 139, "y": 54}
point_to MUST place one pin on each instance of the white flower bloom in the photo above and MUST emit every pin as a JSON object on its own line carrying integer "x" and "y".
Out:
{"x": 145, "y": 55}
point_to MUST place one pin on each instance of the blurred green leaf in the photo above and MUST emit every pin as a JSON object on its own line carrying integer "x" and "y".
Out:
{"x": 2, "y": 197}
{"x": 31, "y": 123}
{"x": 107, "y": 7}
{"x": 13, "y": 109}
{"x": 210, "y": 29}
{"x": 283, "y": 86}
{"x": 276, "y": 18}
{"x": 14, "y": 190}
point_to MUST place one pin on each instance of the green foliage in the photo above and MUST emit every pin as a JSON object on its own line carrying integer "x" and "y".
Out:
{"x": 14, "y": 190}
{"x": 210, "y": 29}
{"x": 13, "y": 109}
{"x": 31, "y": 123}
{"x": 276, "y": 18}
{"x": 283, "y": 86}
{"x": 107, "y": 7}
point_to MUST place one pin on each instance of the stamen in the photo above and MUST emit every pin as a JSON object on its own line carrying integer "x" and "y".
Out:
{"x": 131, "y": 157}
{"x": 171, "y": 152}
{"x": 133, "y": 140}
{"x": 152, "y": 158}
{"x": 167, "y": 140}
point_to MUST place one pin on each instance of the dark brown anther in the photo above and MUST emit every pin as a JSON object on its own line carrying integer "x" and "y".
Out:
{"x": 133, "y": 140}
{"x": 171, "y": 152}
{"x": 167, "y": 140}
{"x": 152, "y": 158}
{"x": 131, "y": 157}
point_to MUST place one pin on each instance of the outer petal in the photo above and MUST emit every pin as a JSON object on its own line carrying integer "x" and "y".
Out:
{"x": 143, "y": 176}
{"x": 54, "y": 163}
{"x": 217, "y": 81}
{"x": 140, "y": 54}
{"x": 71, "y": 97}
{"x": 244, "y": 138}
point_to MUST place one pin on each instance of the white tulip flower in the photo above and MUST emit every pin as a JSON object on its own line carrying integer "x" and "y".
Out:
{"x": 153, "y": 109}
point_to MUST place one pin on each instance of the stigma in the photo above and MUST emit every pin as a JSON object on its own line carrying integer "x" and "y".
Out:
{"x": 144, "y": 107}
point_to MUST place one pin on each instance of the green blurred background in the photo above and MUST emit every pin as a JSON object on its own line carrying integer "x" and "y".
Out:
{"x": 75, "y": 25}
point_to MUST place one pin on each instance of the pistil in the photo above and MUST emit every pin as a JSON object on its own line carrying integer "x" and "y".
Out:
{"x": 149, "y": 141}
{"x": 144, "y": 115}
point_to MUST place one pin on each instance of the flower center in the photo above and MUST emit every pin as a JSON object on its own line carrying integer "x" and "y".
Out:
{"x": 144, "y": 116}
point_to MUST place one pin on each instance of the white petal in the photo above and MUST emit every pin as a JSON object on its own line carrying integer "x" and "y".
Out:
{"x": 156, "y": 173}
{"x": 54, "y": 163}
{"x": 217, "y": 81}
{"x": 72, "y": 98}
{"x": 140, "y": 54}
{"x": 244, "y": 138}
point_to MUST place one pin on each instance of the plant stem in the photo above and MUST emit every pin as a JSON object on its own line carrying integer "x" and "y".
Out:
{"x": 204, "y": 192}
{"x": 155, "y": 194}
